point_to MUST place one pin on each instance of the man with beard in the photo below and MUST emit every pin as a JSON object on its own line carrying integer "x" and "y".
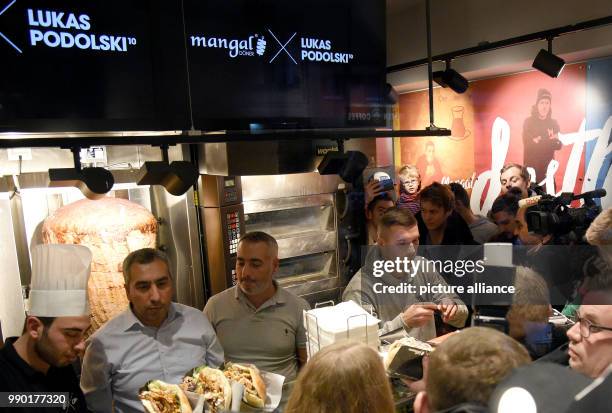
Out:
{"x": 258, "y": 321}
{"x": 154, "y": 338}
{"x": 41, "y": 359}
{"x": 398, "y": 237}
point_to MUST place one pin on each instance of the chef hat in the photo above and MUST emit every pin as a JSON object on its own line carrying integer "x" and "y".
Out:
{"x": 59, "y": 280}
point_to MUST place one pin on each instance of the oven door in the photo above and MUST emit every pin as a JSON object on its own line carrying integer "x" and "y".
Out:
{"x": 306, "y": 231}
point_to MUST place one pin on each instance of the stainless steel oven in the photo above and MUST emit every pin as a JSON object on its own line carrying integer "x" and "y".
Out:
{"x": 299, "y": 210}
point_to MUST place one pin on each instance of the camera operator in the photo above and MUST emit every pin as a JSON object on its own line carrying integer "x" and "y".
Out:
{"x": 510, "y": 220}
{"x": 567, "y": 262}
{"x": 514, "y": 175}
{"x": 379, "y": 198}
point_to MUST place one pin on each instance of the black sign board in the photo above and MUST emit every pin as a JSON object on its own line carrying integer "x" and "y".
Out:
{"x": 91, "y": 66}
{"x": 108, "y": 65}
{"x": 286, "y": 64}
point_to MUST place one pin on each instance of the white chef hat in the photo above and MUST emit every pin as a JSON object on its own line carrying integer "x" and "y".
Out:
{"x": 59, "y": 280}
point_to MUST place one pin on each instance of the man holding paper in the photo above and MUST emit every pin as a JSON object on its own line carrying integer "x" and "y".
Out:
{"x": 406, "y": 305}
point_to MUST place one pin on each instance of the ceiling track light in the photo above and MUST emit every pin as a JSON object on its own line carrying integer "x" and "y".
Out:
{"x": 176, "y": 177}
{"x": 94, "y": 183}
{"x": 348, "y": 165}
{"x": 487, "y": 46}
{"x": 451, "y": 78}
{"x": 547, "y": 62}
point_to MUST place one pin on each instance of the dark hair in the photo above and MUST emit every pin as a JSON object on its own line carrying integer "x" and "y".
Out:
{"x": 460, "y": 194}
{"x": 382, "y": 197}
{"x": 46, "y": 322}
{"x": 507, "y": 202}
{"x": 398, "y": 216}
{"x": 259, "y": 236}
{"x": 143, "y": 256}
{"x": 439, "y": 195}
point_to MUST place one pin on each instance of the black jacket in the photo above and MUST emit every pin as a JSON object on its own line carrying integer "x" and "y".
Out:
{"x": 17, "y": 376}
{"x": 457, "y": 231}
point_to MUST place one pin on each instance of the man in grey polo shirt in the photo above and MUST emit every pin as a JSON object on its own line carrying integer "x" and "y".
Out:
{"x": 412, "y": 314}
{"x": 257, "y": 321}
{"x": 153, "y": 339}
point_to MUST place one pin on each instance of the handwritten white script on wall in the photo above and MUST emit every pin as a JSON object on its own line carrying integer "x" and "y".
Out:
{"x": 500, "y": 142}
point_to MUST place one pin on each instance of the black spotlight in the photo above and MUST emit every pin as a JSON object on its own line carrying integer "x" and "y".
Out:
{"x": 177, "y": 177}
{"x": 548, "y": 63}
{"x": 94, "y": 183}
{"x": 347, "y": 165}
{"x": 451, "y": 78}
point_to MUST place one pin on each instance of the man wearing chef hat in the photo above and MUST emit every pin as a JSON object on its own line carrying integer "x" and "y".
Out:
{"x": 41, "y": 359}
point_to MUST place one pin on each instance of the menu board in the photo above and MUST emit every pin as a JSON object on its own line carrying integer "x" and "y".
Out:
{"x": 91, "y": 65}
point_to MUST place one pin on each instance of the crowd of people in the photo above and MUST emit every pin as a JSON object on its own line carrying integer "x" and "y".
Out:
{"x": 259, "y": 322}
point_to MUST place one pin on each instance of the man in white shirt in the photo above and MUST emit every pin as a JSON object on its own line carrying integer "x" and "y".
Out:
{"x": 153, "y": 339}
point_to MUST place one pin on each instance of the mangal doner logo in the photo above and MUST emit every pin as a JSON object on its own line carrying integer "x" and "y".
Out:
{"x": 309, "y": 49}
{"x": 253, "y": 45}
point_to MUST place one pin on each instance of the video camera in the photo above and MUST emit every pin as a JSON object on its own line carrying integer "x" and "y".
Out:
{"x": 550, "y": 215}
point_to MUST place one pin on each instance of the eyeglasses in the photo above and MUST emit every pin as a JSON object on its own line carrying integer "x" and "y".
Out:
{"x": 410, "y": 182}
{"x": 587, "y": 327}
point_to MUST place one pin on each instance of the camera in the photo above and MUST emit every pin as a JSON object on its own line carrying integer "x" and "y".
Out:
{"x": 553, "y": 215}
{"x": 384, "y": 179}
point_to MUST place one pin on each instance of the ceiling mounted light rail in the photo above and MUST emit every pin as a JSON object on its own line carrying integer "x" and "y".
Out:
{"x": 47, "y": 140}
{"x": 513, "y": 41}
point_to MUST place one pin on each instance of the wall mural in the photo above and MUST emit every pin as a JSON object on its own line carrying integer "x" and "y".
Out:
{"x": 559, "y": 128}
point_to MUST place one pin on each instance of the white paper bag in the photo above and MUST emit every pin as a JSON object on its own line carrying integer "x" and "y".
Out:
{"x": 196, "y": 401}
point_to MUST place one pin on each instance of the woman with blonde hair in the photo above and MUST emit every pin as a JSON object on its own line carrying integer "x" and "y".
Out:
{"x": 342, "y": 378}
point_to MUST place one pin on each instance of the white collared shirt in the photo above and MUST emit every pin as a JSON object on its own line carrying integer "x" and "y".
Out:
{"x": 125, "y": 354}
